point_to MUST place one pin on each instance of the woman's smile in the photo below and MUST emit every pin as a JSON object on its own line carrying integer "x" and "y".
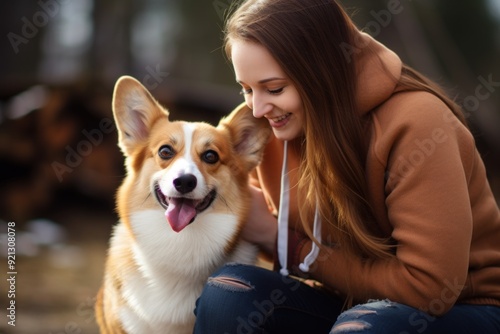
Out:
{"x": 279, "y": 121}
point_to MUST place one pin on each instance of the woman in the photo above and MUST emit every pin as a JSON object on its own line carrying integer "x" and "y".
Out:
{"x": 381, "y": 197}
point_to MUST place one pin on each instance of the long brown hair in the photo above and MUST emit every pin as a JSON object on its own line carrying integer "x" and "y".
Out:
{"x": 304, "y": 37}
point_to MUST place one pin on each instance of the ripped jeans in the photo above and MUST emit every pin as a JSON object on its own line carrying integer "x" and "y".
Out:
{"x": 241, "y": 299}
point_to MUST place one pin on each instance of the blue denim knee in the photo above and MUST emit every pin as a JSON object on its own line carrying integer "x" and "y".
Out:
{"x": 385, "y": 316}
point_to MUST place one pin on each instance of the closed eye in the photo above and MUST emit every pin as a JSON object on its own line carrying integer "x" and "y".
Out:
{"x": 270, "y": 91}
{"x": 275, "y": 91}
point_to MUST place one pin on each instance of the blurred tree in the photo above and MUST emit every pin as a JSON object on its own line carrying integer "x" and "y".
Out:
{"x": 473, "y": 28}
{"x": 110, "y": 54}
{"x": 20, "y": 45}
{"x": 201, "y": 41}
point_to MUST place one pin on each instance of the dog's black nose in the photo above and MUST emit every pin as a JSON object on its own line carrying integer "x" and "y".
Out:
{"x": 185, "y": 183}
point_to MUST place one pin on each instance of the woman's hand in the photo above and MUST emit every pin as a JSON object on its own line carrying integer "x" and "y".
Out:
{"x": 261, "y": 226}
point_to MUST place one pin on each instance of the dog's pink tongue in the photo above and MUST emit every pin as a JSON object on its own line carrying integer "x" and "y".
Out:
{"x": 180, "y": 213}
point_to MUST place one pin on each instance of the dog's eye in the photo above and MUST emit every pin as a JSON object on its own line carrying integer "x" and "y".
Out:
{"x": 166, "y": 152}
{"x": 210, "y": 156}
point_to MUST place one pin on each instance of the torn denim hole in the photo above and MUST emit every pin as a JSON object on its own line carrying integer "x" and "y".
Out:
{"x": 375, "y": 303}
{"x": 234, "y": 284}
{"x": 350, "y": 327}
{"x": 233, "y": 264}
{"x": 355, "y": 313}
{"x": 352, "y": 317}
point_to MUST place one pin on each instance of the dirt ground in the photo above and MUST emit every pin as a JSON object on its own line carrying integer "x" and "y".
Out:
{"x": 55, "y": 289}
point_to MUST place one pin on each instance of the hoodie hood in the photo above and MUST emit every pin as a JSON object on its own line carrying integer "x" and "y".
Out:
{"x": 378, "y": 72}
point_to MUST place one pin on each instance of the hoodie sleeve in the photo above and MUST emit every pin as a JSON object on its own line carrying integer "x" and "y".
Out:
{"x": 427, "y": 156}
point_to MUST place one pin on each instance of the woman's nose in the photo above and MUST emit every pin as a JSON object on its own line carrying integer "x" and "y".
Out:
{"x": 259, "y": 106}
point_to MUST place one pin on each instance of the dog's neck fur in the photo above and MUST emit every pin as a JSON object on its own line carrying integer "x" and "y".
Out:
{"x": 154, "y": 238}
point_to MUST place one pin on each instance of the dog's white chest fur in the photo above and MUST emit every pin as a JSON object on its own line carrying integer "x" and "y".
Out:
{"x": 173, "y": 267}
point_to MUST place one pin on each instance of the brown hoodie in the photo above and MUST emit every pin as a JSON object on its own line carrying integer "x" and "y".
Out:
{"x": 428, "y": 191}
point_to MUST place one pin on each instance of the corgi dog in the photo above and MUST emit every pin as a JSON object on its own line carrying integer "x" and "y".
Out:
{"x": 182, "y": 206}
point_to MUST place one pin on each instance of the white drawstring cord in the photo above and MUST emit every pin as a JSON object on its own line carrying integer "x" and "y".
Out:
{"x": 313, "y": 254}
{"x": 283, "y": 214}
{"x": 283, "y": 223}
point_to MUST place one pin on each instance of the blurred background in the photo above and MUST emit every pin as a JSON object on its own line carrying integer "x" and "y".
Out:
{"x": 59, "y": 163}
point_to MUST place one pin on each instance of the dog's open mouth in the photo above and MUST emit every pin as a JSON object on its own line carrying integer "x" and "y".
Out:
{"x": 181, "y": 211}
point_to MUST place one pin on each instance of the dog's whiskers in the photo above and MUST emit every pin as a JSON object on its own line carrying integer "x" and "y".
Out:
{"x": 223, "y": 200}
{"x": 147, "y": 197}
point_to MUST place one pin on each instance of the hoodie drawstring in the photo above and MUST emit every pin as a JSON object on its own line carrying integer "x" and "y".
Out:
{"x": 283, "y": 214}
{"x": 283, "y": 223}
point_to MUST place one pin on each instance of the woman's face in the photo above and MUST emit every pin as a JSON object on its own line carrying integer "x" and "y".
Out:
{"x": 267, "y": 90}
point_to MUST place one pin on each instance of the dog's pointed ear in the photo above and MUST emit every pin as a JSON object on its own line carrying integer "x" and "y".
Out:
{"x": 249, "y": 134}
{"x": 134, "y": 110}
